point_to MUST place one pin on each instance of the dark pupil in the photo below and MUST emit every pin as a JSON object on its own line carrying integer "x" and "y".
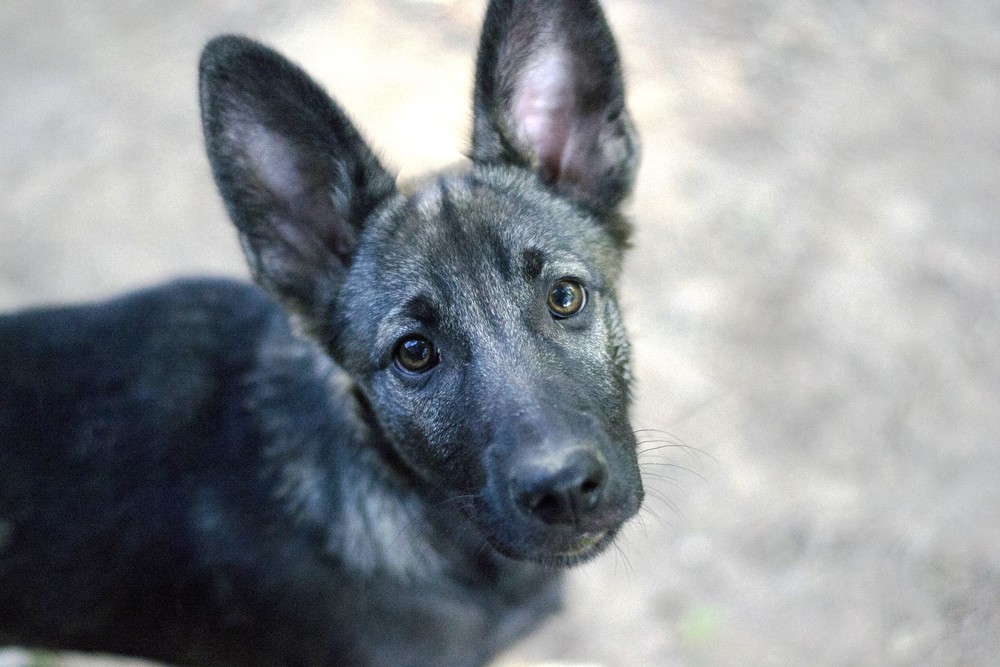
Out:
{"x": 565, "y": 298}
{"x": 415, "y": 353}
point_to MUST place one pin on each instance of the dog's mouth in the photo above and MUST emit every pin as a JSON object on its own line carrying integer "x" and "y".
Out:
{"x": 564, "y": 553}
{"x": 552, "y": 547}
{"x": 586, "y": 542}
{"x": 585, "y": 547}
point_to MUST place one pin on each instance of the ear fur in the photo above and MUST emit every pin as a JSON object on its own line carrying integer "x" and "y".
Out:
{"x": 296, "y": 177}
{"x": 549, "y": 96}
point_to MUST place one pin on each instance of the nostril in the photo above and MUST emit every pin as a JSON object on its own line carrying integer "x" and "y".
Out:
{"x": 548, "y": 507}
{"x": 590, "y": 490}
{"x": 562, "y": 495}
{"x": 594, "y": 476}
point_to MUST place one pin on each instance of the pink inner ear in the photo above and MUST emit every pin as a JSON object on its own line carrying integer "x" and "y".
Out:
{"x": 543, "y": 108}
{"x": 303, "y": 214}
{"x": 273, "y": 162}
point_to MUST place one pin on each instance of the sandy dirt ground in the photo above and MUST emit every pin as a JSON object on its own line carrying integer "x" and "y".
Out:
{"x": 814, "y": 292}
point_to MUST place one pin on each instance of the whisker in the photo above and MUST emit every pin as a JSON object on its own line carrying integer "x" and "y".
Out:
{"x": 669, "y": 439}
{"x": 660, "y": 521}
{"x": 456, "y": 498}
{"x": 641, "y": 521}
{"x": 672, "y": 482}
{"x": 646, "y": 472}
{"x": 658, "y": 495}
{"x": 693, "y": 452}
{"x": 630, "y": 573}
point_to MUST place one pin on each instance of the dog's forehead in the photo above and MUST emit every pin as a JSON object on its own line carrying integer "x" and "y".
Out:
{"x": 485, "y": 223}
{"x": 469, "y": 252}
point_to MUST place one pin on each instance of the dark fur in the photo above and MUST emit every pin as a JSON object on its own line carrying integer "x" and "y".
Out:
{"x": 187, "y": 477}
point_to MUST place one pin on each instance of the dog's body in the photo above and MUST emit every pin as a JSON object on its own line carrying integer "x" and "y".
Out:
{"x": 187, "y": 477}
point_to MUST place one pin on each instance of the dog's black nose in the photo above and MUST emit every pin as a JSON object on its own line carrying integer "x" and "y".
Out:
{"x": 562, "y": 491}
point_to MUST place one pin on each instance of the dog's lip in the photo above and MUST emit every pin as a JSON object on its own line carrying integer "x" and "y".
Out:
{"x": 585, "y": 543}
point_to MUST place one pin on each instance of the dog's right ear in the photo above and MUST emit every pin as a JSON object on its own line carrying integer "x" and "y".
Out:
{"x": 296, "y": 177}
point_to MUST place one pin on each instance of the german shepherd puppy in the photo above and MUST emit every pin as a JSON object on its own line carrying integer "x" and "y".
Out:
{"x": 384, "y": 456}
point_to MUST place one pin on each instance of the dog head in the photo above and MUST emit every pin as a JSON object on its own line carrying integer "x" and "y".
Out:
{"x": 476, "y": 311}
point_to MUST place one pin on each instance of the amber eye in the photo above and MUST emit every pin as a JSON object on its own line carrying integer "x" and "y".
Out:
{"x": 566, "y": 298}
{"x": 415, "y": 354}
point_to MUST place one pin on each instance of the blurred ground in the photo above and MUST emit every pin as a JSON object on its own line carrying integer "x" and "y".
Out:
{"x": 814, "y": 292}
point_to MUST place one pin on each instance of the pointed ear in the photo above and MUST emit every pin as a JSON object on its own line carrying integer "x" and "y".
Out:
{"x": 297, "y": 179}
{"x": 549, "y": 96}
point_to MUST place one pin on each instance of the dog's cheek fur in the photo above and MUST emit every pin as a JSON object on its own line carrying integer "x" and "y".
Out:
{"x": 428, "y": 430}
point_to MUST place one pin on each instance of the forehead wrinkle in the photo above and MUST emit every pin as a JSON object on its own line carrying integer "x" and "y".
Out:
{"x": 532, "y": 263}
{"x": 423, "y": 309}
{"x": 467, "y": 244}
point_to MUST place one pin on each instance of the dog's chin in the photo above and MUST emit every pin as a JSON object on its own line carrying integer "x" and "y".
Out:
{"x": 562, "y": 552}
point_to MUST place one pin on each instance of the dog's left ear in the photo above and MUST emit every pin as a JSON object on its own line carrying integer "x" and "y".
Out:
{"x": 549, "y": 96}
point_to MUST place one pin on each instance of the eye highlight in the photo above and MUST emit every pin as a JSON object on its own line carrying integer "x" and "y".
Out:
{"x": 567, "y": 297}
{"x": 415, "y": 354}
